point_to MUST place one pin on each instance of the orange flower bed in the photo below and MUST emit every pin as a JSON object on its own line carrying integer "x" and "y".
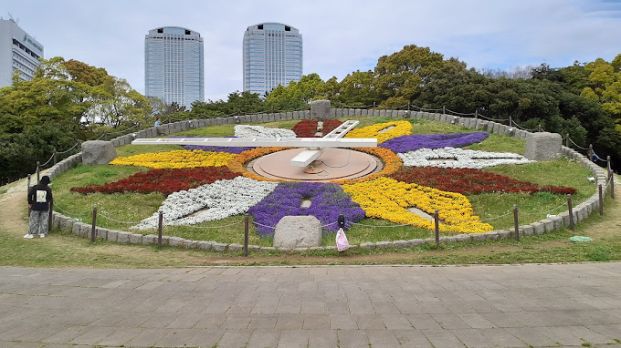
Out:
{"x": 392, "y": 163}
{"x": 238, "y": 164}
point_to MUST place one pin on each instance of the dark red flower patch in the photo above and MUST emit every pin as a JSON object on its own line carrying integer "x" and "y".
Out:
{"x": 471, "y": 181}
{"x": 165, "y": 181}
{"x": 308, "y": 128}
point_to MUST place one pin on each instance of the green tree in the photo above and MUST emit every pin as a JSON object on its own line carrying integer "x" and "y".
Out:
{"x": 297, "y": 94}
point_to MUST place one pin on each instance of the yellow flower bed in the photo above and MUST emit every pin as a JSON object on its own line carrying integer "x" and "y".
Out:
{"x": 375, "y": 131}
{"x": 389, "y": 199}
{"x": 176, "y": 159}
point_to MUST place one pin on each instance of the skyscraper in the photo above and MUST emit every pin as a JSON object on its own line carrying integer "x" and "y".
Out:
{"x": 18, "y": 52}
{"x": 173, "y": 65}
{"x": 272, "y": 56}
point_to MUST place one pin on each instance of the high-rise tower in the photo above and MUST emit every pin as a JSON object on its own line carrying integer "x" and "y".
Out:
{"x": 173, "y": 65}
{"x": 272, "y": 56}
{"x": 19, "y": 52}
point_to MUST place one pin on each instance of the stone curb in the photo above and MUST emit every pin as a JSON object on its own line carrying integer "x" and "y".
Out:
{"x": 581, "y": 211}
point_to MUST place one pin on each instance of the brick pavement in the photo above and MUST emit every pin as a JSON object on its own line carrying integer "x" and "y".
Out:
{"x": 343, "y": 306}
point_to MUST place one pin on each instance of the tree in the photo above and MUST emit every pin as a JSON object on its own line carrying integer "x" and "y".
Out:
{"x": 237, "y": 103}
{"x": 401, "y": 76}
{"x": 58, "y": 107}
{"x": 358, "y": 89}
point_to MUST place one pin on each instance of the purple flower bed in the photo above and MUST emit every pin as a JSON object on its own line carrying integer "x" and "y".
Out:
{"x": 433, "y": 141}
{"x": 229, "y": 149}
{"x": 327, "y": 202}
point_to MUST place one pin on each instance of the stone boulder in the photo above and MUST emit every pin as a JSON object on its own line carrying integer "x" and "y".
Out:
{"x": 543, "y": 146}
{"x": 97, "y": 152}
{"x": 320, "y": 109}
{"x": 297, "y": 232}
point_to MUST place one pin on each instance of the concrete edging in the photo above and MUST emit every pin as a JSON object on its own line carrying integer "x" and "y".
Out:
{"x": 581, "y": 211}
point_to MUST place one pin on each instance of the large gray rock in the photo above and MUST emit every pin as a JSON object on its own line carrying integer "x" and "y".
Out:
{"x": 97, "y": 152}
{"x": 297, "y": 232}
{"x": 320, "y": 109}
{"x": 542, "y": 146}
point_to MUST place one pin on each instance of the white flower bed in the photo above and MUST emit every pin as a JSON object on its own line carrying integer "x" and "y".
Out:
{"x": 245, "y": 131}
{"x": 450, "y": 157}
{"x": 214, "y": 201}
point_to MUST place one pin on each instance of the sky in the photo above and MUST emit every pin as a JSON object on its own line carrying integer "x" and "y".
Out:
{"x": 339, "y": 36}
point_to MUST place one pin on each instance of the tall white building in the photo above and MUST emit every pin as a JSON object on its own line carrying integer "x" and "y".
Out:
{"x": 173, "y": 65}
{"x": 272, "y": 56}
{"x": 19, "y": 52}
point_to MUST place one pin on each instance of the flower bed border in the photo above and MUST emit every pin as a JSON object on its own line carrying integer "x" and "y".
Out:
{"x": 581, "y": 211}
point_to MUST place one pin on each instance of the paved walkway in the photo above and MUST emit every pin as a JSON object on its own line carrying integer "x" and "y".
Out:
{"x": 476, "y": 306}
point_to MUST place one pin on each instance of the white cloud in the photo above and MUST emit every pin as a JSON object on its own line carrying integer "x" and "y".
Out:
{"x": 339, "y": 36}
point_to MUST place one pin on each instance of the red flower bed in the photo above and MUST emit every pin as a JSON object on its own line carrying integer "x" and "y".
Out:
{"x": 471, "y": 181}
{"x": 308, "y": 128}
{"x": 165, "y": 181}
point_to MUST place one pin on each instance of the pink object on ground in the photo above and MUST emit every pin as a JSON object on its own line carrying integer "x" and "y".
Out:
{"x": 342, "y": 243}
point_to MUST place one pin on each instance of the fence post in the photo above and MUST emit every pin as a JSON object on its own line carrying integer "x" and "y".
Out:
{"x": 50, "y": 217}
{"x": 38, "y": 176}
{"x": 570, "y": 208}
{"x": 590, "y": 152}
{"x": 516, "y": 222}
{"x": 510, "y": 121}
{"x": 28, "y": 188}
{"x": 436, "y": 224}
{"x": 443, "y": 110}
{"x": 612, "y": 184}
{"x": 160, "y": 227}
{"x": 476, "y": 113}
{"x": 601, "y": 200}
{"x": 54, "y": 156}
{"x": 246, "y": 228}
{"x": 567, "y": 139}
{"x": 94, "y": 224}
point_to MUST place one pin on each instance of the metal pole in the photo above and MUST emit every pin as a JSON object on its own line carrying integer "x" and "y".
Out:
{"x": 570, "y": 207}
{"x": 94, "y": 224}
{"x": 516, "y": 222}
{"x": 38, "y": 165}
{"x": 436, "y": 223}
{"x": 601, "y": 200}
{"x": 160, "y": 227}
{"x": 246, "y": 228}
{"x": 612, "y": 185}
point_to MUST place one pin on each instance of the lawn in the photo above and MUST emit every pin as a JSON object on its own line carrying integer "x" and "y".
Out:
{"x": 121, "y": 211}
{"x": 66, "y": 250}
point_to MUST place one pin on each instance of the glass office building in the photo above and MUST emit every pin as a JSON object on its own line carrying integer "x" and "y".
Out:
{"x": 173, "y": 59}
{"x": 272, "y": 56}
{"x": 19, "y": 52}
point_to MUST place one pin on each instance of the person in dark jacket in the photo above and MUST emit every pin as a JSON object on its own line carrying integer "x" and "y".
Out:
{"x": 39, "y": 200}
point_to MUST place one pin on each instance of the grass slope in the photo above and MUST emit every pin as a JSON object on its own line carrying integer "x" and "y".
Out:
{"x": 122, "y": 211}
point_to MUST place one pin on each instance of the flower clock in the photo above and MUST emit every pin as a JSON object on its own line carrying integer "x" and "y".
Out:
{"x": 412, "y": 176}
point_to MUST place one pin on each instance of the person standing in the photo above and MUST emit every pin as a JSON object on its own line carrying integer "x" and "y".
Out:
{"x": 39, "y": 200}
